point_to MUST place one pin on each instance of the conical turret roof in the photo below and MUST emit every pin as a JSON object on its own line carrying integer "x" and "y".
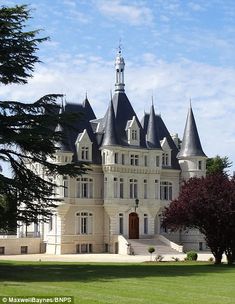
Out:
{"x": 191, "y": 145}
{"x": 110, "y": 134}
{"x": 152, "y": 137}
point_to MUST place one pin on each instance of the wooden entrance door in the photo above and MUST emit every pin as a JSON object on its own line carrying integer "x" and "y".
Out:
{"x": 133, "y": 226}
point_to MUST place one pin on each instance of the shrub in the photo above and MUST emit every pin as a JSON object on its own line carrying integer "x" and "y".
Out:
{"x": 151, "y": 250}
{"x": 158, "y": 258}
{"x": 175, "y": 259}
{"x": 211, "y": 259}
{"x": 191, "y": 256}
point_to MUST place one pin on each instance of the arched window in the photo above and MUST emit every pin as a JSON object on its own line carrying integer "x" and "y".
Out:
{"x": 166, "y": 190}
{"x": 84, "y": 223}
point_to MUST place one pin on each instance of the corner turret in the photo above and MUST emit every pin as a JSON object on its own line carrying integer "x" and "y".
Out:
{"x": 191, "y": 157}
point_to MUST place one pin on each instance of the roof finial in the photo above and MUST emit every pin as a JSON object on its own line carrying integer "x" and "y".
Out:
{"x": 190, "y": 103}
{"x": 86, "y": 96}
{"x": 119, "y": 67}
{"x": 120, "y": 46}
{"x": 152, "y": 99}
{"x": 111, "y": 94}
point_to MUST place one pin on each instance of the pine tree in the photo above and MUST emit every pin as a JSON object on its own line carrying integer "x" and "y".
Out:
{"x": 28, "y": 132}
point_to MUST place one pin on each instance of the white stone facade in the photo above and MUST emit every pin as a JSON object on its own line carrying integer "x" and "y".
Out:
{"x": 134, "y": 173}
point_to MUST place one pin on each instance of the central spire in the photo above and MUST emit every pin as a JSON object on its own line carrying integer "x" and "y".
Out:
{"x": 119, "y": 67}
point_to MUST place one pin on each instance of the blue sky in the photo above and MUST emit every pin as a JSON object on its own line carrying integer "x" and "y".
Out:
{"x": 174, "y": 50}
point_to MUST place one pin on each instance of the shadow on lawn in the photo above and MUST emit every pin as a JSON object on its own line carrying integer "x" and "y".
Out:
{"x": 59, "y": 272}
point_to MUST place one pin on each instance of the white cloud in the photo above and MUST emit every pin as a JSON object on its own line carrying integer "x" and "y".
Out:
{"x": 211, "y": 88}
{"x": 127, "y": 13}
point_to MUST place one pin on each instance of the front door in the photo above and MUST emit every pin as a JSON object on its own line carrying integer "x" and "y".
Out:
{"x": 133, "y": 226}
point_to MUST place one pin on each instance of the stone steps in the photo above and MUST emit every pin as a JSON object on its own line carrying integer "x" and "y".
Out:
{"x": 140, "y": 247}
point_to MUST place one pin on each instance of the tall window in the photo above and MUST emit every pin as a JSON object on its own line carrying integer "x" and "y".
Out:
{"x": 145, "y": 188}
{"x": 116, "y": 158}
{"x": 105, "y": 187}
{"x": 146, "y": 224}
{"x": 199, "y": 165}
{"x": 84, "y": 187}
{"x": 157, "y": 161}
{"x": 115, "y": 187}
{"x": 123, "y": 159}
{"x": 103, "y": 158}
{"x": 50, "y": 223}
{"x": 121, "y": 189}
{"x": 66, "y": 186}
{"x": 85, "y": 153}
{"x": 166, "y": 190}
{"x": 156, "y": 195}
{"x": 133, "y": 188}
{"x": 146, "y": 160}
{"x": 84, "y": 223}
{"x": 134, "y": 160}
{"x": 165, "y": 159}
{"x": 121, "y": 223}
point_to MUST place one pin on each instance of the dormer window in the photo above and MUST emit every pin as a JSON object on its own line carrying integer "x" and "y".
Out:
{"x": 165, "y": 159}
{"x": 84, "y": 146}
{"x": 166, "y": 156}
{"x": 133, "y": 132}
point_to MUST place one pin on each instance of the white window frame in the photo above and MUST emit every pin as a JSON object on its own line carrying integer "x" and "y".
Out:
{"x": 84, "y": 222}
{"x": 134, "y": 160}
{"x": 84, "y": 187}
{"x": 85, "y": 153}
{"x": 166, "y": 189}
{"x": 133, "y": 183}
{"x": 146, "y": 224}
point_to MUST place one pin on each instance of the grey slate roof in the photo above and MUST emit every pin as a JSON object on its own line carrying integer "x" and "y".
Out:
{"x": 163, "y": 132}
{"x": 124, "y": 112}
{"x": 63, "y": 145}
{"x": 78, "y": 125}
{"x": 110, "y": 135}
{"x": 152, "y": 137}
{"x": 191, "y": 145}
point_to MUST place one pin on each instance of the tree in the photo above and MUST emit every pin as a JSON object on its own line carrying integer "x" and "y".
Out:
{"x": 151, "y": 250}
{"x": 217, "y": 164}
{"x": 207, "y": 204}
{"x": 28, "y": 132}
{"x": 17, "y": 47}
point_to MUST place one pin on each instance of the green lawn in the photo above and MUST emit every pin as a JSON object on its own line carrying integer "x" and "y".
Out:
{"x": 163, "y": 283}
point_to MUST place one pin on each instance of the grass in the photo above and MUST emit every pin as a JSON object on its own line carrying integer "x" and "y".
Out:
{"x": 163, "y": 283}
